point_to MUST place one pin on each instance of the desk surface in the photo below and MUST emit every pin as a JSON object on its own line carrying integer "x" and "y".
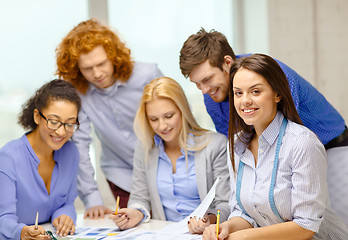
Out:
{"x": 106, "y": 222}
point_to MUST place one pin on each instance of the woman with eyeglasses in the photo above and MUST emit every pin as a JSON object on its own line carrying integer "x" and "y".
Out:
{"x": 38, "y": 172}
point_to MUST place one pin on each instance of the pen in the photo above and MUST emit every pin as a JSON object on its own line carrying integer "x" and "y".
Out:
{"x": 217, "y": 224}
{"x": 36, "y": 220}
{"x": 117, "y": 203}
{"x": 51, "y": 234}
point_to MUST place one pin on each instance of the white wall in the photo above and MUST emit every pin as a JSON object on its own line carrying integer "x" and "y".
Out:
{"x": 311, "y": 36}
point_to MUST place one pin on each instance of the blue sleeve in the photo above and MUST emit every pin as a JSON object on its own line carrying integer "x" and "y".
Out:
{"x": 70, "y": 164}
{"x": 87, "y": 186}
{"x": 9, "y": 226}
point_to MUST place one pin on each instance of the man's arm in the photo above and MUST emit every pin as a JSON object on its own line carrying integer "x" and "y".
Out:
{"x": 86, "y": 184}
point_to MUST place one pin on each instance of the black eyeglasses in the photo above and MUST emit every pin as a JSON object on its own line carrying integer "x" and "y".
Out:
{"x": 55, "y": 124}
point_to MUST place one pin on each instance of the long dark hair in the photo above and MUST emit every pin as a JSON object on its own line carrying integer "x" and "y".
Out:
{"x": 54, "y": 90}
{"x": 268, "y": 68}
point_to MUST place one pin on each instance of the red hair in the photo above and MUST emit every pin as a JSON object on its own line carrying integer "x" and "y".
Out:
{"x": 82, "y": 39}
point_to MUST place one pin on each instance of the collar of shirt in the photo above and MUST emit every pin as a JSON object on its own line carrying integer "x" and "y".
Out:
{"x": 33, "y": 154}
{"x": 159, "y": 143}
{"x": 271, "y": 133}
{"x": 30, "y": 148}
{"x": 267, "y": 138}
{"x": 109, "y": 90}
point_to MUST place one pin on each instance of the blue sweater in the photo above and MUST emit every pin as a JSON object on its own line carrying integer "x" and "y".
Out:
{"x": 315, "y": 111}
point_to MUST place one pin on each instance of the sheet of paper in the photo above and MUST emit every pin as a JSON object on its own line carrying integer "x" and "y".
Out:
{"x": 140, "y": 234}
{"x": 87, "y": 233}
{"x": 181, "y": 227}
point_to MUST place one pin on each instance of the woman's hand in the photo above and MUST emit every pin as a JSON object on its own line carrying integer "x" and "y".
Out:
{"x": 64, "y": 225}
{"x": 29, "y": 232}
{"x": 127, "y": 218}
{"x": 197, "y": 226}
{"x": 97, "y": 212}
{"x": 210, "y": 232}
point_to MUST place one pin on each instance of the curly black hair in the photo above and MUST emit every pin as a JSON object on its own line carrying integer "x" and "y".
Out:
{"x": 56, "y": 89}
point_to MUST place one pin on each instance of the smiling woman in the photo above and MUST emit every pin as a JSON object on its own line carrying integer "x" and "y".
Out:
{"x": 176, "y": 161}
{"x": 38, "y": 172}
{"x": 254, "y": 99}
{"x": 271, "y": 149}
{"x": 165, "y": 120}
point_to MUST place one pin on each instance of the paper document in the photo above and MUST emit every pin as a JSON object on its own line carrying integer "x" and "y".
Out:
{"x": 181, "y": 227}
{"x": 87, "y": 233}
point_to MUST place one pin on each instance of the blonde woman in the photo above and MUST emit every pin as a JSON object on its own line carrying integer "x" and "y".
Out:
{"x": 175, "y": 162}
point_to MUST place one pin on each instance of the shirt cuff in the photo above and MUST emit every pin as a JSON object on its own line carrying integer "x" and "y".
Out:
{"x": 144, "y": 213}
{"x": 141, "y": 208}
{"x": 251, "y": 221}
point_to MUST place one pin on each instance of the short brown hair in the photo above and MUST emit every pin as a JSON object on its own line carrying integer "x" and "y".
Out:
{"x": 201, "y": 46}
{"x": 82, "y": 39}
{"x": 268, "y": 68}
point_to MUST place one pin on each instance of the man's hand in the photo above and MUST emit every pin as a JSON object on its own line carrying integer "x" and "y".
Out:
{"x": 97, "y": 212}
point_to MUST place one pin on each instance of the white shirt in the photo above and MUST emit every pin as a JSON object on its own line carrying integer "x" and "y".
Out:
{"x": 300, "y": 191}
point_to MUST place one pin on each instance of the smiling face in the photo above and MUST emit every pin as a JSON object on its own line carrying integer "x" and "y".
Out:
{"x": 254, "y": 99}
{"x": 96, "y": 67}
{"x": 212, "y": 80}
{"x": 165, "y": 119}
{"x": 59, "y": 110}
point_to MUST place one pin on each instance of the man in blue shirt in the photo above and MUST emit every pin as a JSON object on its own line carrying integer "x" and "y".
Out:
{"x": 206, "y": 58}
{"x": 110, "y": 84}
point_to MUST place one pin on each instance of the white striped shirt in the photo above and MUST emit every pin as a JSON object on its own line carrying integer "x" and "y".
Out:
{"x": 300, "y": 192}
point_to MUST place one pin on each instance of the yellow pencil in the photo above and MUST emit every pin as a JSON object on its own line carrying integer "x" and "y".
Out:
{"x": 217, "y": 224}
{"x": 117, "y": 203}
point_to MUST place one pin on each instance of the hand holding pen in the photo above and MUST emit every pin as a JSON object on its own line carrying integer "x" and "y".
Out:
{"x": 34, "y": 231}
{"x": 216, "y": 231}
{"x": 126, "y": 218}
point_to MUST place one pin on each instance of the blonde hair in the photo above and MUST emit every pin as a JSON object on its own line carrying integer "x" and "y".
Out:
{"x": 167, "y": 88}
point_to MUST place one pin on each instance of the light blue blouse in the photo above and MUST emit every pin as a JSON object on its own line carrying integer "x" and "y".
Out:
{"x": 23, "y": 192}
{"x": 300, "y": 192}
{"x": 178, "y": 191}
